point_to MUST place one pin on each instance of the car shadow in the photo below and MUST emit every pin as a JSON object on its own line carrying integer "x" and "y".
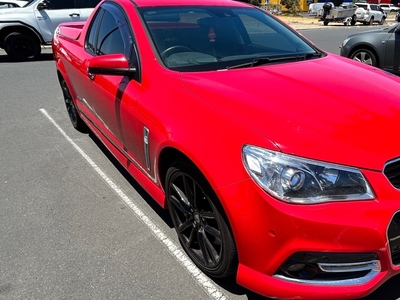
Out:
{"x": 162, "y": 213}
{"x": 4, "y": 58}
{"x": 388, "y": 291}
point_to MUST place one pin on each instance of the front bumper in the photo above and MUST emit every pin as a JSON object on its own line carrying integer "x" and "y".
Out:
{"x": 268, "y": 233}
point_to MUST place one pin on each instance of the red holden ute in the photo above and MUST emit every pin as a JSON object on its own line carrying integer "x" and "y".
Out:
{"x": 277, "y": 165}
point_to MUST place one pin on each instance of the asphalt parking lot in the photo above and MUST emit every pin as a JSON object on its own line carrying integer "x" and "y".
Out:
{"x": 65, "y": 234}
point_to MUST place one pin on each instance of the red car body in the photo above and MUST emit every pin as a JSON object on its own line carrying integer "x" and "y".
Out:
{"x": 317, "y": 109}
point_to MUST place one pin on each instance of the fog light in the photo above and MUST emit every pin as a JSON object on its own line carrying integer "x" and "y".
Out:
{"x": 296, "y": 267}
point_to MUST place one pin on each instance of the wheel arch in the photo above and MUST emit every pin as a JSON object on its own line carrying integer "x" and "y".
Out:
{"x": 366, "y": 47}
{"x": 21, "y": 28}
{"x": 170, "y": 155}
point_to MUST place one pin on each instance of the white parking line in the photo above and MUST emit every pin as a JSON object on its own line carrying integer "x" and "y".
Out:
{"x": 176, "y": 251}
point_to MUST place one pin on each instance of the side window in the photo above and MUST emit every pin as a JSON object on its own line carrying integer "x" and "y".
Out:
{"x": 109, "y": 33}
{"x": 91, "y": 40}
{"x": 86, "y": 3}
{"x": 60, "y": 4}
{"x": 110, "y": 39}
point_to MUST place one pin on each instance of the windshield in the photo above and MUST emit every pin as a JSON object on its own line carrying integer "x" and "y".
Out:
{"x": 211, "y": 38}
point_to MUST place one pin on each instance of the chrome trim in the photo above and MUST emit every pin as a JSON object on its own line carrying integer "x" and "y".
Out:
{"x": 375, "y": 267}
{"x": 350, "y": 267}
{"x": 146, "y": 146}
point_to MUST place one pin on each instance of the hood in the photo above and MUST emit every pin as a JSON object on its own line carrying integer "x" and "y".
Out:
{"x": 374, "y": 31}
{"x": 330, "y": 109}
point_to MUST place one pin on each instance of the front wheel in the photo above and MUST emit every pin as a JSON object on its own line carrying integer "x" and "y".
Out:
{"x": 365, "y": 56}
{"x": 20, "y": 46}
{"x": 382, "y": 21}
{"x": 199, "y": 222}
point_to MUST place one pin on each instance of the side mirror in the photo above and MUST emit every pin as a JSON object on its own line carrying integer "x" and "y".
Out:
{"x": 110, "y": 64}
{"x": 42, "y": 6}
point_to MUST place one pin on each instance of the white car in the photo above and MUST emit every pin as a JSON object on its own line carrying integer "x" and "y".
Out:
{"x": 387, "y": 7}
{"x": 12, "y": 3}
{"x": 369, "y": 13}
{"x": 23, "y": 30}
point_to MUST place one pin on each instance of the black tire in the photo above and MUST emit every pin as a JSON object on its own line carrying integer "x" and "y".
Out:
{"x": 73, "y": 114}
{"x": 382, "y": 21}
{"x": 353, "y": 20}
{"x": 371, "y": 21}
{"x": 21, "y": 46}
{"x": 365, "y": 56}
{"x": 199, "y": 221}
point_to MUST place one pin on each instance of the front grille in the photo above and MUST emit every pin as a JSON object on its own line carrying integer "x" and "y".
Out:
{"x": 393, "y": 234}
{"x": 392, "y": 172}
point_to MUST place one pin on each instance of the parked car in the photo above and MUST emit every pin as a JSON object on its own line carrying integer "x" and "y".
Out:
{"x": 24, "y": 30}
{"x": 397, "y": 18}
{"x": 275, "y": 166}
{"x": 379, "y": 48}
{"x": 388, "y": 7}
{"x": 369, "y": 13}
{"x": 12, "y": 4}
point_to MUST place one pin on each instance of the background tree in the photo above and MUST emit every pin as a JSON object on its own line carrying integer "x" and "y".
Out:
{"x": 252, "y": 2}
{"x": 292, "y": 6}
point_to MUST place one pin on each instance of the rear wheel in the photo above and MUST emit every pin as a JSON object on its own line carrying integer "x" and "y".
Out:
{"x": 199, "y": 222}
{"x": 353, "y": 20}
{"x": 365, "y": 56}
{"x": 20, "y": 46}
{"x": 73, "y": 114}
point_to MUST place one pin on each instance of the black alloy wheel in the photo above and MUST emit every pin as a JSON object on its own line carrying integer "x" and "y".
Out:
{"x": 76, "y": 120}
{"x": 21, "y": 47}
{"x": 199, "y": 223}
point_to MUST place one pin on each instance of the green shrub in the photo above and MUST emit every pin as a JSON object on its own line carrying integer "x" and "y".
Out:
{"x": 292, "y": 6}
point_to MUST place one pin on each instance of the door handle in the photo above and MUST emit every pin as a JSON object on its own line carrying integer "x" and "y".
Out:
{"x": 74, "y": 15}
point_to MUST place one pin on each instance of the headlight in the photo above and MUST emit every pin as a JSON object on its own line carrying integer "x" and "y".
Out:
{"x": 299, "y": 180}
{"x": 345, "y": 42}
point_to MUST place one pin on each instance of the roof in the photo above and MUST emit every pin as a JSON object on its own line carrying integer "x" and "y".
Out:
{"x": 143, "y": 3}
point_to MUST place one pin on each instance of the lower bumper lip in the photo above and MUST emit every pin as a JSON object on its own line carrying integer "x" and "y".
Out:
{"x": 374, "y": 268}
